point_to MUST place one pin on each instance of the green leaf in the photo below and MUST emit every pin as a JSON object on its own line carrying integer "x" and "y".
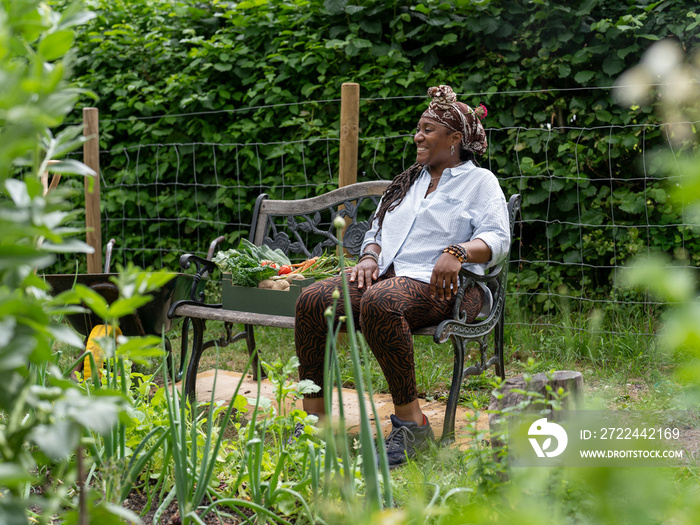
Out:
{"x": 55, "y": 45}
{"x": 66, "y": 335}
{"x": 90, "y": 297}
{"x": 98, "y": 413}
{"x": 118, "y": 515}
{"x": 58, "y": 440}
{"x": 568, "y": 201}
{"x": 622, "y": 53}
{"x": 536, "y": 196}
{"x": 682, "y": 331}
{"x": 264, "y": 403}
{"x": 663, "y": 279}
{"x": 306, "y": 386}
{"x": 18, "y": 192}
{"x": 528, "y": 278}
{"x": 16, "y": 353}
{"x": 12, "y": 511}
{"x": 612, "y": 65}
{"x": 583, "y": 77}
{"x": 553, "y": 185}
{"x": 7, "y": 330}
{"x": 16, "y": 255}
{"x": 603, "y": 115}
{"x": 72, "y": 19}
{"x": 12, "y": 475}
{"x": 124, "y": 306}
{"x": 594, "y": 216}
{"x": 68, "y": 246}
{"x": 633, "y": 204}
{"x": 148, "y": 346}
{"x": 658, "y": 194}
{"x": 240, "y": 403}
{"x": 553, "y": 230}
{"x": 335, "y": 7}
{"x": 72, "y": 167}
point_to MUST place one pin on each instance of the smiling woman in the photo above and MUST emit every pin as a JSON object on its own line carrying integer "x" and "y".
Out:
{"x": 443, "y": 213}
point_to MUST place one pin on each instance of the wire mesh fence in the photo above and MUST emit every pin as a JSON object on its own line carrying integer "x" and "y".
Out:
{"x": 593, "y": 198}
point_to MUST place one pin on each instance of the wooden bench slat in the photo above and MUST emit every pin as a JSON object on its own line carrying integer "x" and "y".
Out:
{"x": 300, "y": 206}
{"x": 233, "y": 316}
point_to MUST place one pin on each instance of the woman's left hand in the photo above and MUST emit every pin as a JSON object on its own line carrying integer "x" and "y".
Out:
{"x": 445, "y": 277}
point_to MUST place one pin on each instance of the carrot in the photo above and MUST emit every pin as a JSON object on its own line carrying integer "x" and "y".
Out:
{"x": 305, "y": 265}
{"x": 312, "y": 262}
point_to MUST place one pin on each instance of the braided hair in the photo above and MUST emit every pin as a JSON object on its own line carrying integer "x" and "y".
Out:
{"x": 397, "y": 190}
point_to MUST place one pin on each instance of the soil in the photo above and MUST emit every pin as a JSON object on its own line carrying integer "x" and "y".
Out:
{"x": 136, "y": 502}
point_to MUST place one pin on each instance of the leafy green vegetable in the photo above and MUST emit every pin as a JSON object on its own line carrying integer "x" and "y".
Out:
{"x": 263, "y": 253}
{"x": 244, "y": 269}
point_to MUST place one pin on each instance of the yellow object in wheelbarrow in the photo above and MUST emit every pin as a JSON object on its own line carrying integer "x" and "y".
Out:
{"x": 98, "y": 332}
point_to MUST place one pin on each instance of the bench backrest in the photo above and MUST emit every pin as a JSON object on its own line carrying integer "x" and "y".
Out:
{"x": 305, "y": 226}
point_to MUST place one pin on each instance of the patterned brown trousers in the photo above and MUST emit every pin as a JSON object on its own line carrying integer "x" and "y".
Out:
{"x": 387, "y": 311}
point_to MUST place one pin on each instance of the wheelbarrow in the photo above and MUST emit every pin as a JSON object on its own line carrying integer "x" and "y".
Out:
{"x": 149, "y": 319}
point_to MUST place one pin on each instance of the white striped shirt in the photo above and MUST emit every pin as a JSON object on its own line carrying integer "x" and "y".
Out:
{"x": 468, "y": 204}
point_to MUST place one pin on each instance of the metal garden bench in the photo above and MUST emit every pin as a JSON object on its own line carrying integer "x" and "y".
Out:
{"x": 305, "y": 227}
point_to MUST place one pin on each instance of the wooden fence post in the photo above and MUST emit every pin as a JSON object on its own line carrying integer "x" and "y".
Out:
{"x": 349, "y": 140}
{"x": 349, "y": 133}
{"x": 349, "y": 137}
{"x": 91, "y": 157}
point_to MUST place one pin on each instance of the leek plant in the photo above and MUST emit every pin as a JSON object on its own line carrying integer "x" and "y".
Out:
{"x": 193, "y": 465}
{"x": 376, "y": 477}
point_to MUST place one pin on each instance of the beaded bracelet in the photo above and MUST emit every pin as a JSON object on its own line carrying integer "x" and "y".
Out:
{"x": 458, "y": 251}
{"x": 369, "y": 253}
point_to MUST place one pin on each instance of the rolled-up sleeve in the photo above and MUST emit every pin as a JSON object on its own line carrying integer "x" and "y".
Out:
{"x": 493, "y": 226}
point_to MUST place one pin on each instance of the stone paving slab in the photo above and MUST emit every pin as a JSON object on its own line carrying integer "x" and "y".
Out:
{"x": 226, "y": 383}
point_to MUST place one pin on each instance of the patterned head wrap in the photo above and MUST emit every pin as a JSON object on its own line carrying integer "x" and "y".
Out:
{"x": 457, "y": 116}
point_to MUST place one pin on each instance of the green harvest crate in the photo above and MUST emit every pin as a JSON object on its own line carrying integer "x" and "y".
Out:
{"x": 259, "y": 300}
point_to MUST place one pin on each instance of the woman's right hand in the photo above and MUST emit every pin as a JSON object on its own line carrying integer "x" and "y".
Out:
{"x": 364, "y": 272}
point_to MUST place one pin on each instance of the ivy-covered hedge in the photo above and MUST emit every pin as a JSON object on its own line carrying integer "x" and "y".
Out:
{"x": 269, "y": 73}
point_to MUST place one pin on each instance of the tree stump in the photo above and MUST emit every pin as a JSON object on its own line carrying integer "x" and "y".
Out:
{"x": 537, "y": 396}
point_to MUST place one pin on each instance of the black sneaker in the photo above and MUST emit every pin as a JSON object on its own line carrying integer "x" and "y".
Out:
{"x": 406, "y": 439}
{"x": 296, "y": 433}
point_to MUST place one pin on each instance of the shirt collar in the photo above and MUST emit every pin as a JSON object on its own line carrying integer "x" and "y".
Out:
{"x": 458, "y": 170}
{"x": 461, "y": 169}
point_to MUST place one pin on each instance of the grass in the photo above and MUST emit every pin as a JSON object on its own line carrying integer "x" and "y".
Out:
{"x": 623, "y": 366}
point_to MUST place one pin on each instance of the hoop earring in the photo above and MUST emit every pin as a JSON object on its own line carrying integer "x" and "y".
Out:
{"x": 452, "y": 149}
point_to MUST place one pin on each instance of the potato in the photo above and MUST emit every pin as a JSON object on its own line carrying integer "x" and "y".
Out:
{"x": 268, "y": 284}
{"x": 294, "y": 277}
{"x": 280, "y": 285}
